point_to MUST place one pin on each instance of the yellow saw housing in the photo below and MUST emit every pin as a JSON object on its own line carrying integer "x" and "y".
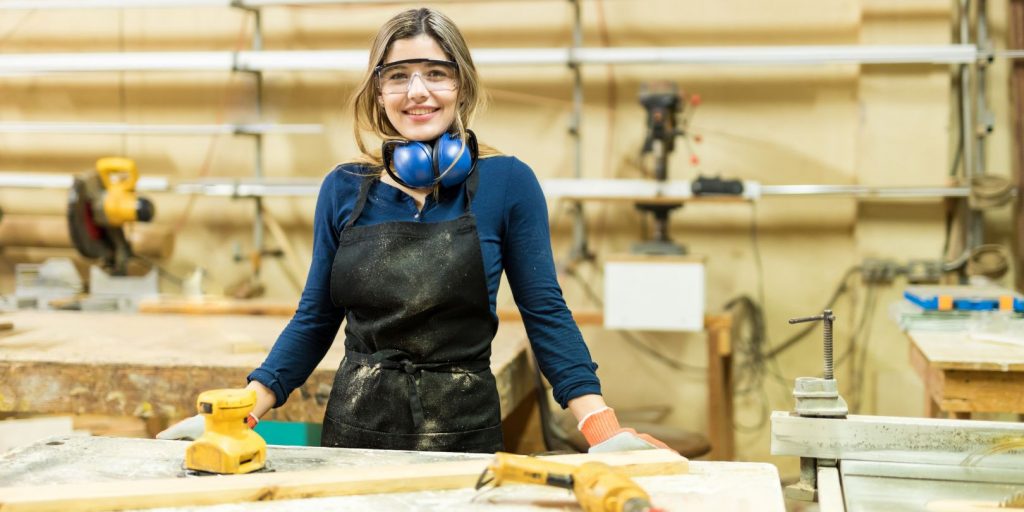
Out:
{"x": 120, "y": 204}
{"x": 228, "y": 445}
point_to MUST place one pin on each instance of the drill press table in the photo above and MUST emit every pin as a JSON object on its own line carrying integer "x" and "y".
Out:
{"x": 709, "y": 486}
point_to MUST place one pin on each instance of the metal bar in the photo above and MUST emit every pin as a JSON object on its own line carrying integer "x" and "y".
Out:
{"x": 916, "y": 471}
{"x": 586, "y": 189}
{"x": 130, "y": 61}
{"x": 157, "y": 129}
{"x": 863, "y": 191}
{"x": 776, "y": 55}
{"x": 893, "y": 439}
{"x": 43, "y": 180}
{"x": 250, "y": 188}
{"x": 982, "y": 127}
{"x": 830, "y": 491}
{"x": 353, "y": 60}
{"x": 107, "y": 4}
{"x": 149, "y": 4}
{"x": 257, "y": 167}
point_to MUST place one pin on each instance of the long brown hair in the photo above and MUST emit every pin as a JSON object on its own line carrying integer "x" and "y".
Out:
{"x": 369, "y": 113}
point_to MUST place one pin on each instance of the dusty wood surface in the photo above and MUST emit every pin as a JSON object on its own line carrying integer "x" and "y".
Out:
{"x": 954, "y": 350}
{"x": 285, "y": 485}
{"x": 708, "y": 486}
{"x": 145, "y": 365}
{"x": 962, "y": 376}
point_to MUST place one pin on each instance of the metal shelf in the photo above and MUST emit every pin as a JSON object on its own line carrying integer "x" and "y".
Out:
{"x": 23, "y": 5}
{"x": 353, "y": 60}
{"x": 571, "y": 189}
{"x": 159, "y": 129}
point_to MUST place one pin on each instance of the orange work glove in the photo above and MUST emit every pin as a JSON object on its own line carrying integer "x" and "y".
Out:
{"x": 604, "y": 434}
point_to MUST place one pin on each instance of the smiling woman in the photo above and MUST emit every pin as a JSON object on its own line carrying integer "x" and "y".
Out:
{"x": 413, "y": 266}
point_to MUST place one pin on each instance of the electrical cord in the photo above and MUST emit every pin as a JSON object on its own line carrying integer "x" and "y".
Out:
{"x": 840, "y": 289}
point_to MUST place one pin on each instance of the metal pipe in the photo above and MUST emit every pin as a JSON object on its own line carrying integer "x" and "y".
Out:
{"x": 157, "y": 129}
{"x": 354, "y": 60}
{"x": 257, "y": 228}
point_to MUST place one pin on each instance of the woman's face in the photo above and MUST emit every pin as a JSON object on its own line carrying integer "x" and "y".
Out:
{"x": 419, "y": 98}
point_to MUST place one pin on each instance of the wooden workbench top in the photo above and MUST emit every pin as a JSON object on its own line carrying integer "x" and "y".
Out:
{"x": 709, "y": 486}
{"x": 137, "y": 364}
{"x": 958, "y": 351}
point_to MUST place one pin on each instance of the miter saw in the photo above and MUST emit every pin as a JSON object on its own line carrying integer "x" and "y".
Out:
{"x": 100, "y": 204}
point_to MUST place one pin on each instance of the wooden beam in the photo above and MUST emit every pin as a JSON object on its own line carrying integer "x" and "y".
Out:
{"x": 177, "y": 492}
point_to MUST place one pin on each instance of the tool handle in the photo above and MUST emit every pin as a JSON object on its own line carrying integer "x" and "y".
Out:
{"x": 531, "y": 470}
{"x": 806, "y": 319}
{"x": 105, "y": 167}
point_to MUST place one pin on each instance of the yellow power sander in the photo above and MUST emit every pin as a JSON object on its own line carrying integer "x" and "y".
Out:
{"x": 228, "y": 445}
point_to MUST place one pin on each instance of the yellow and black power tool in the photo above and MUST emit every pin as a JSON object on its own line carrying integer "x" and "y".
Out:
{"x": 597, "y": 486}
{"x": 100, "y": 203}
{"x": 227, "y": 445}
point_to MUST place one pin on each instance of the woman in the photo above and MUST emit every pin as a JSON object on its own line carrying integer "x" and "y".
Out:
{"x": 409, "y": 246}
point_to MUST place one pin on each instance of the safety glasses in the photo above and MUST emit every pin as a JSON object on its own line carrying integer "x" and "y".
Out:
{"x": 436, "y": 75}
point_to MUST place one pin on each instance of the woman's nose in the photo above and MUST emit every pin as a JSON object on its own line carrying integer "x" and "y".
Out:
{"x": 417, "y": 89}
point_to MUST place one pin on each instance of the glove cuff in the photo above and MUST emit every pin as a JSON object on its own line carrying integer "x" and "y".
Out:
{"x": 599, "y": 426}
{"x": 251, "y": 420}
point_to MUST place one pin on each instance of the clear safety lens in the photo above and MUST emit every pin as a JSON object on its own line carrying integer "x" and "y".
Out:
{"x": 436, "y": 75}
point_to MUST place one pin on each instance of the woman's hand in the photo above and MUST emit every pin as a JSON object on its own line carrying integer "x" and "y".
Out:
{"x": 600, "y": 426}
{"x": 604, "y": 434}
{"x": 192, "y": 427}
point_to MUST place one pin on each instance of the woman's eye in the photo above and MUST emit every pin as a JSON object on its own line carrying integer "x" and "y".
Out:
{"x": 437, "y": 74}
{"x": 398, "y": 75}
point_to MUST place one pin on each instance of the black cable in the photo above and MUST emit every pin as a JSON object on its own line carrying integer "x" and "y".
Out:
{"x": 861, "y": 364}
{"x": 658, "y": 356}
{"x": 840, "y": 289}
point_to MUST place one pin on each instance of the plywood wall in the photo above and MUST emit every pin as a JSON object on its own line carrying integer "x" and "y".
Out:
{"x": 836, "y": 124}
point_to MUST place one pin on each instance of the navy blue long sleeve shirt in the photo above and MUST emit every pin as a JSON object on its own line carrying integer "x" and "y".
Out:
{"x": 512, "y": 222}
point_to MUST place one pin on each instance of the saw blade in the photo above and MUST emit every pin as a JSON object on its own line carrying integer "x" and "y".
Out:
{"x": 90, "y": 238}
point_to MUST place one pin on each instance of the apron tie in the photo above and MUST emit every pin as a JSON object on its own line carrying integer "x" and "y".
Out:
{"x": 392, "y": 359}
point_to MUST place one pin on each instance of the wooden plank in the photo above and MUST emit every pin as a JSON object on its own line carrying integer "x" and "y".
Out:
{"x": 721, "y": 431}
{"x": 974, "y": 391}
{"x": 301, "y": 484}
{"x": 957, "y": 351}
{"x": 215, "y": 306}
{"x": 23, "y": 432}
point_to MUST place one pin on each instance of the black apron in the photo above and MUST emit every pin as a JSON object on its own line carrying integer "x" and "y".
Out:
{"x": 416, "y": 373}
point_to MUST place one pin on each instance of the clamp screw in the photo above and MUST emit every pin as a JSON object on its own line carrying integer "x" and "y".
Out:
{"x": 828, "y": 318}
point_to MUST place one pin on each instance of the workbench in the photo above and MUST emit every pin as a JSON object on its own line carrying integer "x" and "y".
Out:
{"x": 708, "y": 486}
{"x": 155, "y": 365}
{"x": 962, "y": 375}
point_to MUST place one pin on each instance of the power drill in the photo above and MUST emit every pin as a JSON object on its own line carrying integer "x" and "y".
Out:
{"x": 597, "y": 486}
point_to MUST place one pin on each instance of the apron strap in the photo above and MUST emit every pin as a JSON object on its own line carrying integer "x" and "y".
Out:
{"x": 364, "y": 192}
{"x": 470, "y": 188}
{"x": 357, "y": 210}
{"x": 392, "y": 359}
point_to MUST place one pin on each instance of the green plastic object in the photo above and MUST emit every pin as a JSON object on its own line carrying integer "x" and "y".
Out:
{"x": 289, "y": 433}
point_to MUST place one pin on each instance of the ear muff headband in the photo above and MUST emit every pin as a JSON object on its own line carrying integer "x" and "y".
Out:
{"x": 421, "y": 165}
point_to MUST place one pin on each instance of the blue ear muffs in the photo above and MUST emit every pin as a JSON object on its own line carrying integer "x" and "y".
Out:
{"x": 423, "y": 165}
